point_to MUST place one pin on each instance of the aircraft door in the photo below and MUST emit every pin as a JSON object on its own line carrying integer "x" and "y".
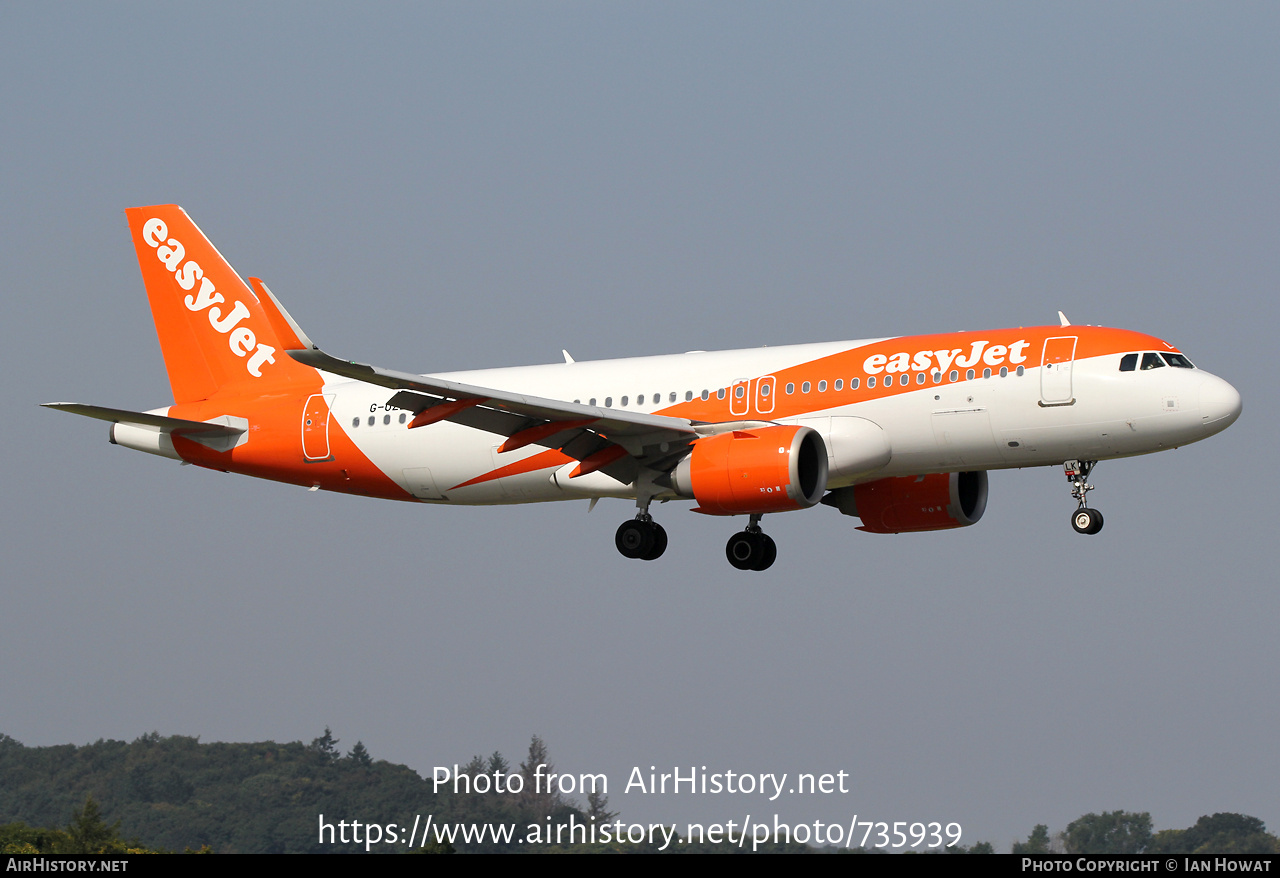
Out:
{"x": 764, "y": 395}
{"x": 740, "y": 398}
{"x": 315, "y": 428}
{"x": 1055, "y": 371}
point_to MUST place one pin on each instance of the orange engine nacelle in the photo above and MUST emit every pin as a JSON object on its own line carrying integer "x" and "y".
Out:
{"x": 915, "y": 503}
{"x": 771, "y": 469}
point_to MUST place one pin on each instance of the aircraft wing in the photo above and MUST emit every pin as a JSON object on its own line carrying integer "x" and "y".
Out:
{"x": 607, "y": 439}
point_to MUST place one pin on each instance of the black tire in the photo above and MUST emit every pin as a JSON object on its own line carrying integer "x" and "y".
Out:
{"x": 742, "y": 550}
{"x": 634, "y": 539}
{"x": 659, "y": 542}
{"x": 1085, "y": 518}
{"x": 1097, "y": 523}
{"x": 768, "y": 553}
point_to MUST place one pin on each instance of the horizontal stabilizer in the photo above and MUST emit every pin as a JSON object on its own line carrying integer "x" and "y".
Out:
{"x": 142, "y": 419}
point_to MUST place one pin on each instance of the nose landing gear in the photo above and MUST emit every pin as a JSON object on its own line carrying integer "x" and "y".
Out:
{"x": 752, "y": 549}
{"x": 1084, "y": 519}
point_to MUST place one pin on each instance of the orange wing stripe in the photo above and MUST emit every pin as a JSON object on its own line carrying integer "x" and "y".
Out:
{"x": 442, "y": 411}
{"x": 542, "y": 431}
{"x": 600, "y": 459}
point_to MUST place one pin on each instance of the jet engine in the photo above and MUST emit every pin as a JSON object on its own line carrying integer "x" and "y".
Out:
{"x": 770, "y": 469}
{"x": 914, "y": 503}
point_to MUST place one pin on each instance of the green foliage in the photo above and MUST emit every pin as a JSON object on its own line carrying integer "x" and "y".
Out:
{"x": 1037, "y": 843}
{"x": 177, "y": 793}
{"x": 359, "y": 755}
{"x": 598, "y": 807}
{"x": 326, "y": 746}
{"x": 1219, "y": 834}
{"x": 1112, "y": 832}
{"x": 89, "y": 834}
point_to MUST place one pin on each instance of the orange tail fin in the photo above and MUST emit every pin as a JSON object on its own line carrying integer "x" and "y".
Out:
{"x": 214, "y": 332}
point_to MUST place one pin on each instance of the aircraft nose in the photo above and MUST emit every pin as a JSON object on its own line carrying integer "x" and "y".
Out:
{"x": 1220, "y": 403}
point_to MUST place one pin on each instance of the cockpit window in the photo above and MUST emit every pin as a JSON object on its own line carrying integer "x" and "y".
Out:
{"x": 1178, "y": 361}
{"x": 1128, "y": 362}
{"x": 1152, "y": 361}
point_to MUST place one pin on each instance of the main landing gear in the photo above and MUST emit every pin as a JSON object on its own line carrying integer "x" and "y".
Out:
{"x": 642, "y": 538}
{"x": 753, "y": 549}
{"x": 1084, "y": 519}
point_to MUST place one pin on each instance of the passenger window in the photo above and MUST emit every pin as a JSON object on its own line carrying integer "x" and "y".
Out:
{"x": 688, "y": 396}
{"x": 822, "y": 387}
{"x": 624, "y": 402}
{"x": 804, "y": 388}
{"x": 386, "y": 419}
{"x": 371, "y": 420}
{"x": 402, "y": 417}
{"x": 720, "y": 393}
{"x": 739, "y": 392}
{"x": 608, "y": 402}
{"x": 969, "y": 375}
{"x": 986, "y": 373}
{"x": 919, "y": 378}
{"x": 955, "y": 376}
{"x": 791, "y": 388}
{"x": 853, "y": 385}
{"x": 706, "y": 395}
{"x": 673, "y": 396}
{"x": 904, "y": 380}
{"x": 871, "y": 381}
{"x": 1177, "y": 361}
{"x": 355, "y": 422}
{"x": 839, "y": 384}
{"x": 591, "y": 401}
{"x": 1152, "y": 361}
{"x": 1128, "y": 362}
{"x": 1021, "y": 371}
{"x": 937, "y": 377}
{"x": 765, "y": 390}
{"x": 1004, "y": 371}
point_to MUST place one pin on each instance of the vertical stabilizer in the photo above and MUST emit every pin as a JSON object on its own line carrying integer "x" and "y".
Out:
{"x": 214, "y": 333}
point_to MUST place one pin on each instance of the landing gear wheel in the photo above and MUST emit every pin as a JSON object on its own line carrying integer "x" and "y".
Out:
{"x": 1086, "y": 520}
{"x": 645, "y": 540}
{"x": 768, "y": 553}
{"x": 659, "y": 542}
{"x": 742, "y": 551}
{"x": 751, "y": 550}
{"x": 635, "y": 539}
{"x": 1097, "y": 522}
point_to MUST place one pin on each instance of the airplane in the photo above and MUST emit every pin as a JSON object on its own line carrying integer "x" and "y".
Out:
{"x": 899, "y": 432}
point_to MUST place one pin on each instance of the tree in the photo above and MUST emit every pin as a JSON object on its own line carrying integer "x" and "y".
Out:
{"x": 1112, "y": 832}
{"x": 359, "y": 755}
{"x": 1222, "y": 833}
{"x": 326, "y": 745}
{"x": 598, "y": 807}
{"x": 537, "y": 792}
{"x": 89, "y": 834}
{"x": 1037, "y": 842}
{"x": 498, "y": 764}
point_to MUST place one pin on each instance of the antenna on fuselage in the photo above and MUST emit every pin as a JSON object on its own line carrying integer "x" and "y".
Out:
{"x": 1062, "y": 319}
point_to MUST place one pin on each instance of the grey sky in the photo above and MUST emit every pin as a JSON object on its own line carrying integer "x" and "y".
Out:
{"x": 447, "y": 187}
